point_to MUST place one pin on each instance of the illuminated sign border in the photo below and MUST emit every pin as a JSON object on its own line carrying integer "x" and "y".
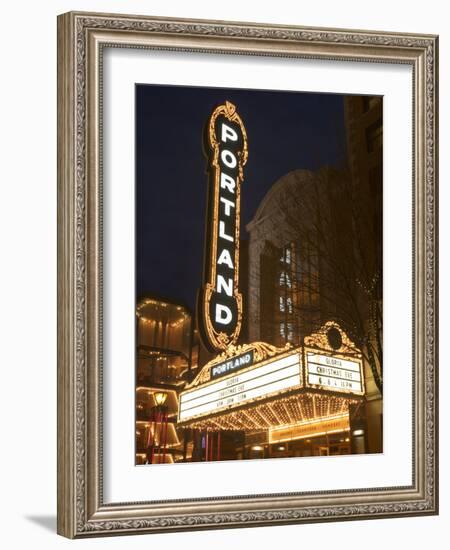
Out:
{"x": 217, "y": 339}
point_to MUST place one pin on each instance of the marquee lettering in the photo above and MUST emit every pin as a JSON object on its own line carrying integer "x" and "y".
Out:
{"x": 234, "y": 364}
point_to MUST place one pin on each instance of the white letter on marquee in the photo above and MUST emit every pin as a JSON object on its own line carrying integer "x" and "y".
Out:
{"x": 222, "y": 284}
{"x": 228, "y": 205}
{"x": 220, "y": 319}
{"x": 227, "y": 182}
{"x": 228, "y": 133}
{"x": 222, "y": 233}
{"x": 225, "y": 258}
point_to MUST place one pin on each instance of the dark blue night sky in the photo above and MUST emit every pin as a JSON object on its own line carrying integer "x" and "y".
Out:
{"x": 285, "y": 130}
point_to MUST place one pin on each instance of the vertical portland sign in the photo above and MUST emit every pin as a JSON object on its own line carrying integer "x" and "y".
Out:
{"x": 220, "y": 304}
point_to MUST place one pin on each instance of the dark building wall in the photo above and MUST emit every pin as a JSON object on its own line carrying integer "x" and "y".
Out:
{"x": 364, "y": 123}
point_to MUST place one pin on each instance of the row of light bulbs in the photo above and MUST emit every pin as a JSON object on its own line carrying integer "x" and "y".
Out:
{"x": 267, "y": 415}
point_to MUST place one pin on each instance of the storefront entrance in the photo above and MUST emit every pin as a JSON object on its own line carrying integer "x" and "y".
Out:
{"x": 326, "y": 445}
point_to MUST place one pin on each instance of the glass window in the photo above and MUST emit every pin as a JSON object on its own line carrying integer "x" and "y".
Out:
{"x": 290, "y": 332}
{"x": 285, "y": 279}
{"x": 287, "y": 255}
{"x": 289, "y": 305}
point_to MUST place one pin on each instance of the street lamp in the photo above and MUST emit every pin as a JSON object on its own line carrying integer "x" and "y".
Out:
{"x": 160, "y": 398}
{"x": 157, "y": 428}
{"x": 161, "y": 422}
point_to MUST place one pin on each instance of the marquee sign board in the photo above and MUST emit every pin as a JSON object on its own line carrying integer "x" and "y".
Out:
{"x": 253, "y": 384}
{"x": 220, "y": 304}
{"x": 334, "y": 373}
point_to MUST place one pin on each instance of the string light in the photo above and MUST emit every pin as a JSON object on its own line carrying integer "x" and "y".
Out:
{"x": 303, "y": 409}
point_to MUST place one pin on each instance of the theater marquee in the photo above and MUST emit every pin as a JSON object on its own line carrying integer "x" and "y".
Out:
{"x": 258, "y": 386}
{"x": 220, "y": 304}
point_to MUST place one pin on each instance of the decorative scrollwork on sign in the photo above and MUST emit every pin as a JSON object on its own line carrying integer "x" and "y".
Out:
{"x": 261, "y": 351}
{"x": 331, "y": 337}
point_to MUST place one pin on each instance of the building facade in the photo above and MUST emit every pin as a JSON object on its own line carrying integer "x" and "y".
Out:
{"x": 164, "y": 360}
{"x": 313, "y": 252}
{"x": 293, "y": 254}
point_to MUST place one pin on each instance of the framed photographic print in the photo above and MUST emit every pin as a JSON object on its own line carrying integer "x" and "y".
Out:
{"x": 247, "y": 274}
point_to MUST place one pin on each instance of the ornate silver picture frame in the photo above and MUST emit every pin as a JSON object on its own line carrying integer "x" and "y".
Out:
{"x": 83, "y": 511}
